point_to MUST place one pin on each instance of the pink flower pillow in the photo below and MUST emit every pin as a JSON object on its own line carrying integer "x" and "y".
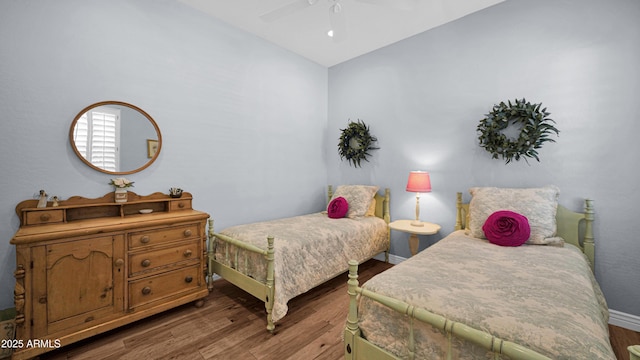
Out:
{"x": 507, "y": 228}
{"x": 338, "y": 208}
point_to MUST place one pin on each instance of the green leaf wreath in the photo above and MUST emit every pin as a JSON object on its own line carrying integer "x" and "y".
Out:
{"x": 535, "y": 129}
{"x": 356, "y": 142}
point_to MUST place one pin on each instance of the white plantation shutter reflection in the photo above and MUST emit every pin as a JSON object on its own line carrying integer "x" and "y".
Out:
{"x": 81, "y": 135}
{"x": 101, "y": 148}
{"x": 103, "y": 140}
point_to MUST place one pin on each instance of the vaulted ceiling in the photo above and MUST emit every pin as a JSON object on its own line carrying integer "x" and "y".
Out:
{"x": 361, "y": 26}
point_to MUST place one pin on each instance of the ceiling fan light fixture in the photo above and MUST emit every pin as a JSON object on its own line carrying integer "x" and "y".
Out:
{"x": 330, "y": 33}
{"x": 337, "y": 22}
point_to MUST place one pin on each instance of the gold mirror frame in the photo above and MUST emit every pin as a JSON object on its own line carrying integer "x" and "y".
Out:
{"x": 152, "y": 154}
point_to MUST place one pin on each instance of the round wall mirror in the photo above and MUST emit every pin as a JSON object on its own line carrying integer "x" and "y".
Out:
{"x": 115, "y": 137}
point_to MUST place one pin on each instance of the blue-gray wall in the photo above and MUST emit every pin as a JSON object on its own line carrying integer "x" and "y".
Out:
{"x": 423, "y": 99}
{"x": 239, "y": 117}
{"x": 251, "y": 129}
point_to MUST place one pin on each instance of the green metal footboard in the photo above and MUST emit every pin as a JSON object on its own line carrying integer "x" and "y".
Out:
{"x": 263, "y": 291}
{"x": 358, "y": 348}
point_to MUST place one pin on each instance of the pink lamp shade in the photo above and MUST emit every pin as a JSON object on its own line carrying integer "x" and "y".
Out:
{"x": 419, "y": 182}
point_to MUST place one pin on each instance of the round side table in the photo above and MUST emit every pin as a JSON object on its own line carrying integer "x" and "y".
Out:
{"x": 427, "y": 228}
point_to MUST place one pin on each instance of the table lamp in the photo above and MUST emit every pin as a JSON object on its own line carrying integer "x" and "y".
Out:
{"x": 419, "y": 182}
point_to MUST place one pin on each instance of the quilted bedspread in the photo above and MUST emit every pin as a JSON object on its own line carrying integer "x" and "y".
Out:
{"x": 309, "y": 250}
{"x": 542, "y": 297}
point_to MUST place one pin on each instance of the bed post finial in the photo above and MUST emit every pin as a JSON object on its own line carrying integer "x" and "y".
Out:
{"x": 589, "y": 242}
{"x": 387, "y": 210}
{"x": 352, "y": 318}
{"x": 210, "y": 255}
{"x": 270, "y": 282}
{"x": 352, "y": 331}
{"x": 459, "y": 211}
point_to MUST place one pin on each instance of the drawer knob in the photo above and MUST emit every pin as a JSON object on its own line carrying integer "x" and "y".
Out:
{"x": 145, "y": 239}
{"x": 187, "y": 233}
{"x": 45, "y": 217}
{"x": 188, "y": 279}
{"x": 146, "y": 290}
{"x": 187, "y": 253}
{"x": 119, "y": 262}
{"x": 181, "y": 205}
{"x": 145, "y": 263}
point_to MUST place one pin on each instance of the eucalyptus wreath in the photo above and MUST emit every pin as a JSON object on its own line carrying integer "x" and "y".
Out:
{"x": 356, "y": 142}
{"x": 535, "y": 129}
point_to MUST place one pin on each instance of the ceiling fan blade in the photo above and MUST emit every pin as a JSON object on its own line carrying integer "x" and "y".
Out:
{"x": 338, "y": 22}
{"x": 286, "y": 10}
{"x": 396, "y": 4}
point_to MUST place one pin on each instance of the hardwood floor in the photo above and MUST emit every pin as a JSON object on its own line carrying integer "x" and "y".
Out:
{"x": 231, "y": 325}
{"x": 620, "y": 339}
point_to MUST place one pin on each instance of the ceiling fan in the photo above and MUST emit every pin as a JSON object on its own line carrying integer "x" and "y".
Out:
{"x": 337, "y": 20}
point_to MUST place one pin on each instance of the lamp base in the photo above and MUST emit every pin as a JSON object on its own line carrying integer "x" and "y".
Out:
{"x": 417, "y": 223}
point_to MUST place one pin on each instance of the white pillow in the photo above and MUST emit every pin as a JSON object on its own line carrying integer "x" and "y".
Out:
{"x": 358, "y": 197}
{"x": 539, "y": 205}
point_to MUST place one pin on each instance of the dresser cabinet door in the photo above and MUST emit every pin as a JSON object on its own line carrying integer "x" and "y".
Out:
{"x": 83, "y": 281}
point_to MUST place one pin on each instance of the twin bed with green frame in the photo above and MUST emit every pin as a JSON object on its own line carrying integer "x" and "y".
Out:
{"x": 441, "y": 302}
{"x": 466, "y": 298}
{"x": 279, "y": 259}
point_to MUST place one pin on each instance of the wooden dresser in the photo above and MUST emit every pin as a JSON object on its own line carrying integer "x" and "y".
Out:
{"x": 91, "y": 265}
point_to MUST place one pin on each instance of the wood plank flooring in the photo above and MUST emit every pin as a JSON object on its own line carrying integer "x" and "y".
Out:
{"x": 620, "y": 339}
{"x": 231, "y": 325}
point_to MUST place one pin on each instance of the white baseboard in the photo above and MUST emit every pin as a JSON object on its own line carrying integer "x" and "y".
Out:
{"x": 624, "y": 320}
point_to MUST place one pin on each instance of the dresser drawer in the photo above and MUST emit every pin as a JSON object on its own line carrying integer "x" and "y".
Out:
{"x": 160, "y": 236}
{"x": 180, "y": 205}
{"x": 157, "y": 287}
{"x": 44, "y": 217}
{"x": 162, "y": 259}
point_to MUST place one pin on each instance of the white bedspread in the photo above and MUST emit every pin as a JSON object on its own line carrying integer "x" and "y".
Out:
{"x": 542, "y": 297}
{"x": 309, "y": 250}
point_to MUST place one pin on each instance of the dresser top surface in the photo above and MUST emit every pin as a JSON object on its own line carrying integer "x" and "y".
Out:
{"x": 80, "y": 216}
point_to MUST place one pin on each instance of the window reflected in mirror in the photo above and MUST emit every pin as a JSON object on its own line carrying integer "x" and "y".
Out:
{"x": 96, "y": 136}
{"x": 114, "y": 137}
